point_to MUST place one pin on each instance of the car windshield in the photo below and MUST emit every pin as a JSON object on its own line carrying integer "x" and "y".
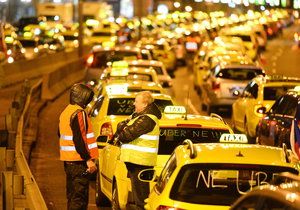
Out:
{"x": 124, "y": 106}
{"x": 238, "y": 73}
{"x": 273, "y": 93}
{"x": 70, "y": 37}
{"x": 221, "y": 184}
{"x": 171, "y": 137}
{"x": 28, "y": 43}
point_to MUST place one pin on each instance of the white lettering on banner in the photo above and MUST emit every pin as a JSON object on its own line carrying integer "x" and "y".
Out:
{"x": 192, "y": 134}
{"x": 210, "y": 179}
{"x": 124, "y": 110}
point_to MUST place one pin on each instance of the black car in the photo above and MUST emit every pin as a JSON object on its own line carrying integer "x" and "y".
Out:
{"x": 283, "y": 195}
{"x": 275, "y": 127}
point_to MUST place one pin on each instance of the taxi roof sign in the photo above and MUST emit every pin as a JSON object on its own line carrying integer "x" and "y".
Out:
{"x": 116, "y": 89}
{"x": 233, "y": 138}
{"x": 120, "y": 64}
{"x": 174, "y": 110}
{"x": 119, "y": 72}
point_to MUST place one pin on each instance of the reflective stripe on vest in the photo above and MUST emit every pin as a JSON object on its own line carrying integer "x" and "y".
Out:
{"x": 149, "y": 137}
{"x": 70, "y": 138}
{"x": 139, "y": 148}
{"x": 72, "y": 148}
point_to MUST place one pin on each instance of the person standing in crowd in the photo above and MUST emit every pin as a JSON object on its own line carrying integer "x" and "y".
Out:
{"x": 139, "y": 138}
{"x": 78, "y": 147}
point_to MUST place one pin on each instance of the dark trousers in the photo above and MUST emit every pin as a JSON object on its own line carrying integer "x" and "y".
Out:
{"x": 77, "y": 185}
{"x": 140, "y": 190}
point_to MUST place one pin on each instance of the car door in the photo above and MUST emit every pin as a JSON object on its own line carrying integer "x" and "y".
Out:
{"x": 241, "y": 104}
{"x": 277, "y": 122}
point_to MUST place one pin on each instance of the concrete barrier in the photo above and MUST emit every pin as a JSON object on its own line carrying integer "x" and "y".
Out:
{"x": 57, "y": 81}
{"x": 28, "y": 69}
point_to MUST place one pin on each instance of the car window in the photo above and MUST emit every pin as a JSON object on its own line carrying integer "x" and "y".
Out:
{"x": 251, "y": 90}
{"x": 124, "y": 106}
{"x": 221, "y": 184}
{"x": 171, "y": 137}
{"x": 166, "y": 173}
{"x": 132, "y": 76}
{"x": 237, "y": 74}
{"x": 285, "y": 105}
{"x": 96, "y": 107}
{"x": 273, "y": 93}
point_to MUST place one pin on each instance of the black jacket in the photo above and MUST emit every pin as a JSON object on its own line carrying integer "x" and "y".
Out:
{"x": 144, "y": 124}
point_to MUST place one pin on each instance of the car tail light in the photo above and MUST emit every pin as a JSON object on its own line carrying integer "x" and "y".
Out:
{"x": 161, "y": 207}
{"x": 270, "y": 31}
{"x": 215, "y": 85}
{"x": 106, "y": 130}
{"x": 90, "y": 59}
{"x": 165, "y": 55}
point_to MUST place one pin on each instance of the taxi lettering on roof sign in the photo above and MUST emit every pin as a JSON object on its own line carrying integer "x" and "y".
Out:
{"x": 175, "y": 110}
{"x": 116, "y": 89}
{"x": 233, "y": 138}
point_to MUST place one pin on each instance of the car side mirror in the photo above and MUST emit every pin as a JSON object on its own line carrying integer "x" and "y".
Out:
{"x": 148, "y": 175}
{"x": 165, "y": 84}
{"x": 262, "y": 110}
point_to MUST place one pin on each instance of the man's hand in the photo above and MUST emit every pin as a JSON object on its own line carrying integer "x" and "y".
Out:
{"x": 91, "y": 166}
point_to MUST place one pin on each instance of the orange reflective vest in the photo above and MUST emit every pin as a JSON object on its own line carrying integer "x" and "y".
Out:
{"x": 67, "y": 147}
{"x": 143, "y": 150}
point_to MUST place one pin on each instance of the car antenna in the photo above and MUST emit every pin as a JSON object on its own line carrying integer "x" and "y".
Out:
{"x": 187, "y": 102}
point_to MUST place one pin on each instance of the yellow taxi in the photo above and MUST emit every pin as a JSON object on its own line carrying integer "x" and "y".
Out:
{"x": 121, "y": 71}
{"x": 257, "y": 98}
{"x": 112, "y": 184}
{"x": 214, "y": 175}
{"x": 114, "y": 105}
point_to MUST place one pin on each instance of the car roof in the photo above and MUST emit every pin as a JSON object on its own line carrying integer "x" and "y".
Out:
{"x": 125, "y": 48}
{"x": 233, "y": 154}
{"x": 145, "y": 62}
{"x": 276, "y": 80}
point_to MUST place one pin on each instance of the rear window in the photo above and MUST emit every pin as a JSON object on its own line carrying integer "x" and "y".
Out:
{"x": 273, "y": 93}
{"x": 101, "y": 34}
{"x": 238, "y": 73}
{"x": 124, "y": 106}
{"x": 28, "y": 43}
{"x": 101, "y": 58}
{"x": 70, "y": 37}
{"x": 156, "y": 68}
{"x": 221, "y": 184}
{"x": 245, "y": 38}
{"x": 131, "y": 77}
{"x": 171, "y": 137}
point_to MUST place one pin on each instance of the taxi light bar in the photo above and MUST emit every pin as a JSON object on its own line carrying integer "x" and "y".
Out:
{"x": 117, "y": 89}
{"x": 233, "y": 138}
{"x": 120, "y": 64}
{"x": 174, "y": 110}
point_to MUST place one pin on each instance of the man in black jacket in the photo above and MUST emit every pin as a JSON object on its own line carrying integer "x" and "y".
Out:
{"x": 139, "y": 138}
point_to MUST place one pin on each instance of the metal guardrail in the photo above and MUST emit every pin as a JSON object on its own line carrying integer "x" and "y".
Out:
{"x": 33, "y": 194}
{"x": 18, "y": 183}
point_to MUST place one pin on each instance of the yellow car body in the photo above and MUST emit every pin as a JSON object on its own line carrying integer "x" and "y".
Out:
{"x": 113, "y": 183}
{"x": 259, "y": 94}
{"x": 213, "y": 176}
